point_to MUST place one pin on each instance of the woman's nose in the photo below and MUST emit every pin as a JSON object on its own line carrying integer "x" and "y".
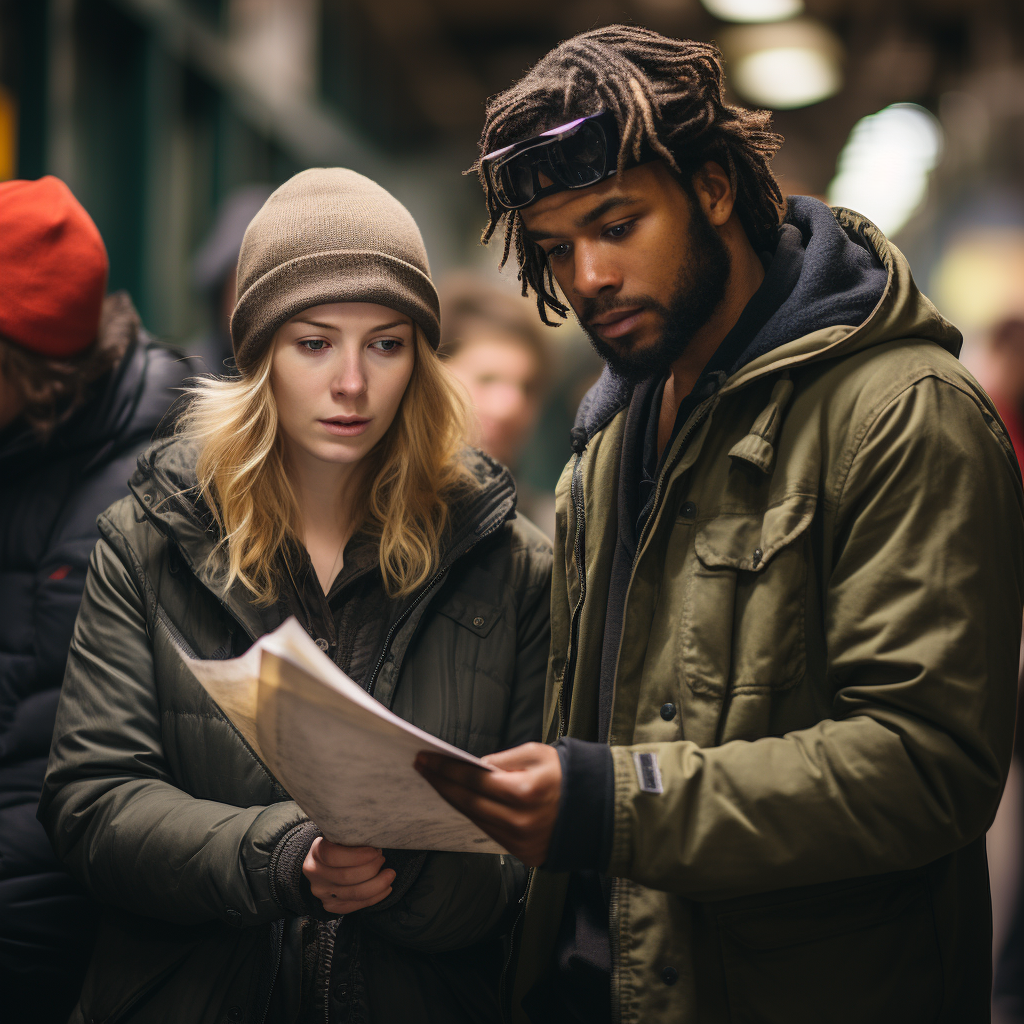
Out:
{"x": 350, "y": 380}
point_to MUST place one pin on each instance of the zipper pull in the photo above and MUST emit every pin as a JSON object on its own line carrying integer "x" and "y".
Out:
{"x": 579, "y": 439}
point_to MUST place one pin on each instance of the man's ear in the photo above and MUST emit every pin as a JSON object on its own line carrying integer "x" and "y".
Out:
{"x": 714, "y": 192}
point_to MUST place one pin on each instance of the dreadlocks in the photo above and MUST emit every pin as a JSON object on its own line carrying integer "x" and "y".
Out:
{"x": 666, "y": 96}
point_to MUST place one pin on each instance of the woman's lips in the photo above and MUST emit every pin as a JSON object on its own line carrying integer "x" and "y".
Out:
{"x": 625, "y": 322}
{"x": 350, "y": 428}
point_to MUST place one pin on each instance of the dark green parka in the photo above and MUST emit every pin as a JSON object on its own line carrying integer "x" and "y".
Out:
{"x": 155, "y": 802}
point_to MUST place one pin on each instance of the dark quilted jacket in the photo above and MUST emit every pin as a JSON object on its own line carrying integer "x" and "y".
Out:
{"x": 50, "y": 496}
{"x": 156, "y": 803}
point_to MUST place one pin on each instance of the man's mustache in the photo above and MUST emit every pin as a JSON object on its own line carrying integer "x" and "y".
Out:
{"x": 593, "y": 308}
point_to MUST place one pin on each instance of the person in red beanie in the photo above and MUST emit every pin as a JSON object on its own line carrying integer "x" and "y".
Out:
{"x": 82, "y": 390}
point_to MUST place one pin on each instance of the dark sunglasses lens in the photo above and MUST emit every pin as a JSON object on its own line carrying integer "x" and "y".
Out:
{"x": 581, "y": 159}
{"x": 517, "y": 180}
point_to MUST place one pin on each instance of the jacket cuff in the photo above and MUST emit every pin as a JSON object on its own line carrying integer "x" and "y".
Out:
{"x": 582, "y": 837}
{"x": 288, "y": 885}
{"x": 407, "y": 865}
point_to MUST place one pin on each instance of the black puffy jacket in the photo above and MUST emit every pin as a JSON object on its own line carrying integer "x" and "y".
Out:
{"x": 50, "y": 496}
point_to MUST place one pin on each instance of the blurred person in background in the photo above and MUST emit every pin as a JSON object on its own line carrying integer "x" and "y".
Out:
{"x": 492, "y": 342}
{"x": 788, "y": 585}
{"x": 214, "y": 269}
{"x": 82, "y": 390}
{"x": 329, "y": 481}
{"x": 999, "y": 367}
{"x": 1000, "y": 370}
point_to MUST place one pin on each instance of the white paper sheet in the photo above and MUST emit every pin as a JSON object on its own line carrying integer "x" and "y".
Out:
{"x": 341, "y": 755}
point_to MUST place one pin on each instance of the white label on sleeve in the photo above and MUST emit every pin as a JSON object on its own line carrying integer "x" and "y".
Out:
{"x": 648, "y": 774}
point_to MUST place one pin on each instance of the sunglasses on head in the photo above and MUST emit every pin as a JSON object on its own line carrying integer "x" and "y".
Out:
{"x": 574, "y": 155}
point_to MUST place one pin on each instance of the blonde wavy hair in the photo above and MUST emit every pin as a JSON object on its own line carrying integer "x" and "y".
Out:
{"x": 408, "y": 482}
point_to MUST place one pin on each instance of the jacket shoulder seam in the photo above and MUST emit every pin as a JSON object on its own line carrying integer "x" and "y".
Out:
{"x": 871, "y": 420}
{"x": 123, "y": 549}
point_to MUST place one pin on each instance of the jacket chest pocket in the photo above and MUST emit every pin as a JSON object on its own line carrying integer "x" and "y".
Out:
{"x": 744, "y": 615}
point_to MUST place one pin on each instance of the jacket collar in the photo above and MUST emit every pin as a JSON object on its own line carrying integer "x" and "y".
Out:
{"x": 164, "y": 485}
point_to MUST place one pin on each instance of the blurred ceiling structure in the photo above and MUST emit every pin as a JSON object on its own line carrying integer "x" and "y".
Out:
{"x": 155, "y": 110}
{"x": 424, "y": 68}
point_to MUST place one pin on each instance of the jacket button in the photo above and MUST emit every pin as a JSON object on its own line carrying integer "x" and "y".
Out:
{"x": 322, "y": 643}
{"x": 755, "y": 559}
{"x": 478, "y": 622}
{"x": 235, "y": 1014}
{"x": 147, "y": 498}
{"x": 689, "y": 510}
{"x": 668, "y": 712}
{"x": 669, "y": 975}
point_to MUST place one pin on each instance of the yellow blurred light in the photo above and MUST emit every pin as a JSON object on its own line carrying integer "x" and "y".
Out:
{"x": 783, "y": 65}
{"x": 754, "y": 10}
{"x": 787, "y": 77}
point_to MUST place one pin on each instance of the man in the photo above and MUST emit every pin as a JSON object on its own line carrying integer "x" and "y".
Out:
{"x": 788, "y": 582}
{"x": 492, "y": 343}
{"x": 82, "y": 389}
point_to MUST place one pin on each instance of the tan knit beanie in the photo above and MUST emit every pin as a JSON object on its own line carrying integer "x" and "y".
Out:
{"x": 328, "y": 235}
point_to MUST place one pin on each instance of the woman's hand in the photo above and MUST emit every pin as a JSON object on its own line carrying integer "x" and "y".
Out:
{"x": 346, "y": 878}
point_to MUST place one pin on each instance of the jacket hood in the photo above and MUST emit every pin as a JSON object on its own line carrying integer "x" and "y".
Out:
{"x": 855, "y": 290}
{"x": 126, "y": 405}
{"x": 164, "y": 485}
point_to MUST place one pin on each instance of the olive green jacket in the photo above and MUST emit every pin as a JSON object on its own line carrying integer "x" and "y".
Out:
{"x": 157, "y": 805}
{"x": 829, "y": 588}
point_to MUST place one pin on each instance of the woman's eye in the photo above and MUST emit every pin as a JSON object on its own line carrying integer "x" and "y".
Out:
{"x": 313, "y": 344}
{"x": 387, "y": 344}
{"x": 558, "y": 251}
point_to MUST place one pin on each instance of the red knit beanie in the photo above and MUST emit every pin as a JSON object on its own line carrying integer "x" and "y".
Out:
{"x": 53, "y": 268}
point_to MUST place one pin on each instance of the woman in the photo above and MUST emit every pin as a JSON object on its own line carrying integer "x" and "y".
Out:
{"x": 327, "y": 481}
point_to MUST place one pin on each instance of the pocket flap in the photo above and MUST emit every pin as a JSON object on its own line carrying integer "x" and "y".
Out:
{"x": 749, "y": 540}
{"x": 476, "y": 615}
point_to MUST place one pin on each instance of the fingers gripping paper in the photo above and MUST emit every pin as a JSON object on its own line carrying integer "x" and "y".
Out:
{"x": 341, "y": 755}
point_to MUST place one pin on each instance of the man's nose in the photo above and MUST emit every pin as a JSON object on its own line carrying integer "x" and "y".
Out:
{"x": 594, "y": 272}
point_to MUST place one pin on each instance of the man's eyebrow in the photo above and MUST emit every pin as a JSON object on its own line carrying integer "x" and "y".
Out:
{"x": 611, "y": 203}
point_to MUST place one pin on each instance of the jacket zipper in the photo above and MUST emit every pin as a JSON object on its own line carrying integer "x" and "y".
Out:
{"x": 329, "y": 940}
{"x": 438, "y": 576}
{"x": 277, "y": 931}
{"x": 398, "y": 624}
{"x": 508, "y": 971}
{"x": 616, "y": 950}
{"x": 576, "y": 492}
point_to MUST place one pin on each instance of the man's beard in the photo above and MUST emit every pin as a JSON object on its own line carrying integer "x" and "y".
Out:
{"x": 699, "y": 290}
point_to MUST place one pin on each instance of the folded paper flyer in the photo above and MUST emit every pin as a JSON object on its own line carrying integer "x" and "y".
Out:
{"x": 341, "y": 755}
